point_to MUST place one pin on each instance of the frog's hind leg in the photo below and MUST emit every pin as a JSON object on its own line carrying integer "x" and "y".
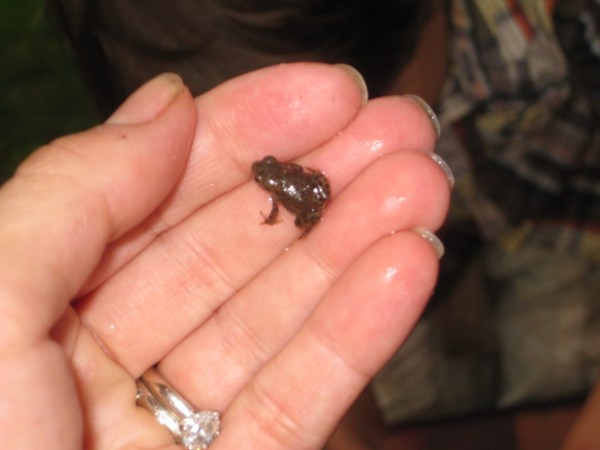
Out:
{"x": 306, "y": 221}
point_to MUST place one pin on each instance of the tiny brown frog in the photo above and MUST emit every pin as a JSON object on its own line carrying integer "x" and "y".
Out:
{"x": 303, "y": 192}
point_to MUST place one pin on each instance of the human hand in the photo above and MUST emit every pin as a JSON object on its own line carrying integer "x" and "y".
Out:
{"x": 139, "y": 242}
{"x": 584, "y": 433}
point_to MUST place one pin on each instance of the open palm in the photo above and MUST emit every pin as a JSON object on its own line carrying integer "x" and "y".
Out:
{"x": 152, "y": 224}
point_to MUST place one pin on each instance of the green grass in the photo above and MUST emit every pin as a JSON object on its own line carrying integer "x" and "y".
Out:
{"x": 41, "y": 95}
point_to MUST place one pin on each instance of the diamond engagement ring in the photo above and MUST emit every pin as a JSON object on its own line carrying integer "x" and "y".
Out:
{"x": 196, "y": 430}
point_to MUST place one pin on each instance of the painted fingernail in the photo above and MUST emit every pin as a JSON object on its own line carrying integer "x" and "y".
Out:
{"x": 444, "y": 166}
{"x": 432, "y": 239}
{"x": 149, "y": 100}
{"x": 429, "y": 111}
{"x": 359, "y": 80}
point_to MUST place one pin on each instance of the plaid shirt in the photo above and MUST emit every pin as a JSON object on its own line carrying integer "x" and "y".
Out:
{"x": 520, "y": 116}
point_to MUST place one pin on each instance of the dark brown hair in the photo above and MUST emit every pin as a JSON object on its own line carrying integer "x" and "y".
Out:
{"x": 122, "y": 43}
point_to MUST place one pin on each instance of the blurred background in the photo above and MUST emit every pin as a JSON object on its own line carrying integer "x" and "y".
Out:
{"x": 42, "y": 96}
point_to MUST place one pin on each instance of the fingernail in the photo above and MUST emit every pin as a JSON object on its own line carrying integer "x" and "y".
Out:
{"x": 429, "y": 111}
{"x": 432, "y": 239}
{"x": 444, "y": 166}
{"x": 359, "y": 80}
{"x": 149, "y": 100}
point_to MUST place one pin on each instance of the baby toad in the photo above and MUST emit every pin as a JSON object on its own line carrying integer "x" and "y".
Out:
{"x": 303, "y": 192}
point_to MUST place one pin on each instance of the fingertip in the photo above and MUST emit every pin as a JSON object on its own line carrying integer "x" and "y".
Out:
{"x": 433, "y": 240}
{"x": 149, "y": 101}
{"x": 428, "y": 110}
{"x": 358, "y": 79}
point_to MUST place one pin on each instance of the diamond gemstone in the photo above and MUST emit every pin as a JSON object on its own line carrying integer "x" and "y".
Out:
{"x": 200, "y": 429}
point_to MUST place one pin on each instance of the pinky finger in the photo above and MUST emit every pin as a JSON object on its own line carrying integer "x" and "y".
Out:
{"x": 296, "y": 400}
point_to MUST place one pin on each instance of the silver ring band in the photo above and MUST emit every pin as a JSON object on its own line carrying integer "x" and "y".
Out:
{"x": 196, "y": 430}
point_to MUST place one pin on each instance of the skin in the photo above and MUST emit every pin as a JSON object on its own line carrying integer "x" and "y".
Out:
{"x": 129, "y": 245}
{"x": 585, "y": 434}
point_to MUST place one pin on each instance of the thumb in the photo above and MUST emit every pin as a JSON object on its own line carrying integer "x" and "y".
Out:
{"x": 73, "y": 196}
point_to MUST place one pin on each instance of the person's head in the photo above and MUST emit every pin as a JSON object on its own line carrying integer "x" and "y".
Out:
{"x": 122, "y": 43}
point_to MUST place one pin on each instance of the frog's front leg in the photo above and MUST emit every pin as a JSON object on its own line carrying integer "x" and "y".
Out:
{"x": 272, "y": 217}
